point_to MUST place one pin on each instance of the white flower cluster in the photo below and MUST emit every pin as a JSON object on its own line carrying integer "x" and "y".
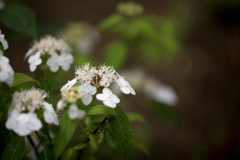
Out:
{"x": 6, "y": 71}
{"x": 71, "y": 96}
{"x": 91, "y": 78}
{"x": 81, "y": 36}
{"x": 56, "y": 50}
{"x": 22, "y": 118}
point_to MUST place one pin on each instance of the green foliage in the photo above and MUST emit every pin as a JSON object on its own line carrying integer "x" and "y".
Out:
{"x": 133, "y": 116}
{"x": 93, "y": 141}
{"x": 64, "y": 136}
{"x": 80, "y": 146}
{"x": 45, "y": 77}
{"x": 110, "y": 21}
{"x": 46, "y": 155}
{"x": 69, "y": 154}
{"x": 140, "y": 145}
{"x": 116, "y": 54}
{"x": 98, "y": 110}
{"x": 14, "y": 150}
{"x": 121, "y": 128}
{"x": 109, "y": 138}
{"x": 19, "y": 18}
{"x": 20, "y": 78}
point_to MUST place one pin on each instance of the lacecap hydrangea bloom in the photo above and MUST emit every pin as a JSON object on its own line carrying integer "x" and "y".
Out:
{"x": 22, "y": 118}
{"x": 6, "y": 71}
{"x": 57, "y": 52}
{"x": 91, "y": 78}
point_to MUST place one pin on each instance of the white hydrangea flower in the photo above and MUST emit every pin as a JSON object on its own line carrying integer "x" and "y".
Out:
{"x": 65, "y": 60}
{"x": 49, "y": 114}
{"x": 22, "y": 119}
{"x": 109, "y": 99}
{"x": 34, "y": 61}
{"x": 75, "y": 113}
{"x": 57, "y": 50}
{"x": 87, "y": 91}
{"x": 69, "y": 84}
{"x": 6, "y": 71}
{"x": 3, "y": 41}
{"x": 125, "y": 87}
{"x": 23, "y": 123}
{"x": 61, "y": 105}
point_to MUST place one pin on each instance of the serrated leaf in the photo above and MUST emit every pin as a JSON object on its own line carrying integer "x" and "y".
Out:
{"x": 115, "y": 54}
{"x": 19, "y": 18}
{"x": 121, "y": 128}
{"x": 14, "y": 150}
{"x": 133, "y": 116}
{"x": 99, "y": 109}
{"x": 20, "y": 78}
{"x": 64, "y": 136}
{"x": 93, "y": 141}
{"x": 109, "y": 138}
{"x": 140, "y": 145}
{"x": 80, "y": 146}
{"x": 46, "y": 155}
{"x": 69, "y": 154}
{"x": 110, "y": 22}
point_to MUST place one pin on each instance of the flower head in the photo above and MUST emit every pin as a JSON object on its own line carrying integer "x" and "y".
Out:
{"x": 75, "y": 113}
{"x": 87, "y": 90}
{"x": 22, "y": 117}
{"x": 56, "y": 50}
{"x": 125, "y": 87}
{"x": 3, "y": 41}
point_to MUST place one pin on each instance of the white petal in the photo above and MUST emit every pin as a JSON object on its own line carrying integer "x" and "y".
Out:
{"x": 109, "y": 103}
{"x": 69, "y": 84}
{"x": 132, "y": 90}
{"x": 115, "y": 99}
{"x": 54, "y": 68}
{"x": 107, "y": 91}
{"x": 101, "y": 97}
{"x": 32, "y": 67}
{"x": 92, "y": 90}
{"x": 87, "y": 98}
{"x": 125, "y": 90}
{"x": 38, "y": 61}
{"x": 35, "y": 124}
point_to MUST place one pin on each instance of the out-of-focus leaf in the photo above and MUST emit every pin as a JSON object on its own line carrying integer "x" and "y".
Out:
{"x": 45, "y": 77}
{"x": 99, "y": 136}
{"x": 20, "y": 78}
{"x": 46, "y": 155}
{"x": 163, "y": 111}
{"x": 14, "y": 150}
{"x": 64, "y": 136}
{"x": 140, "y": 145}
{"x": 110, "y": 22}
{"x": 116, "y": 54}
{"x": 109, "y": 138}
{"x": 93, "y": 141}
{"x": 121, "y": 128}
{"x": 19, "y": 18}
{"x": 80, "y": 146}
{"x": 69, "y": 154}
{"x": 133, "y": 116}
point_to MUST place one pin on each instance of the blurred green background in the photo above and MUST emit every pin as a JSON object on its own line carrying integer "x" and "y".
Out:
{"x": 192, "y": 46}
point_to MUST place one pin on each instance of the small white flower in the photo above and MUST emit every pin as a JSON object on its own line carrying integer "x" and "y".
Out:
{"x": 75, "y": 113}
{"x": 125, "y": 87}
{"x": 109, "y": 99}
{"x": 87, "y": 91}
{"x": 60, "y": 105}
{"x": 3, "y": 41}
{"x": 65, "y": 61}
{"x": 49, "y": 114}
{"x": 52, "y": 62}
{"x": 34, "y": 61}
{"x": 23, "y": 123}
{"x": 69, "y": 84}
{"x": 6, "y": 71}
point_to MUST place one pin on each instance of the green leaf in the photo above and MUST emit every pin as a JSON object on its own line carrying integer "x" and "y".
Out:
{"x": 121, "y": 128}
{"x": 45, "y": 77}
{"x": 97, "y": 110}
{"x": 140, "y": 145}
{"x": 69, "y": 154}
{"x": 20, "y": 78}
{"x": 80, "y": 146}
{"x": 19, "y": 18}
{"x": 93, "y": 141}
{"x": 64, "y": 136}
{"x": 116, "y": 54}
{"x": 110, "y": 22}
{"x": 99, "y": 136}
{"x": 133, "y": 116}
{"x": 14, "y": 150}
{"x": 109, "y": 138}
{"x": 46, "y": 155}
